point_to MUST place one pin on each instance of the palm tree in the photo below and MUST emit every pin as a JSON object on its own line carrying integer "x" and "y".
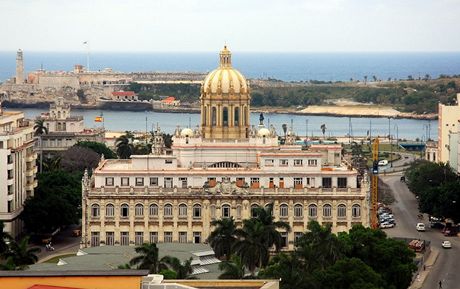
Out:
{"x": 318, "y": 248}
{"x": 251, "y": 245}
{"x": 183, "y": 269}
{"x": 272, "y": 235}
{"x": 323, "y": 130}
{"x": 21, "y": 255}
{"x": 223, "y": 237}
{"x": 124, "y": 146}
{"x": 40, "y": 129}
{"x": 233, "y": 269}
{"x": 52, "y": 164}
{"x": 148, "y": 258}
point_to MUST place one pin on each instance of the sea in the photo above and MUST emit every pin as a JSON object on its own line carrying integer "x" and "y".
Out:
{"x": 283, "y": 66}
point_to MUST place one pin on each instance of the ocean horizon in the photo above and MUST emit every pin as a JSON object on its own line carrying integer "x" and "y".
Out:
{"x": 287, "y": 66}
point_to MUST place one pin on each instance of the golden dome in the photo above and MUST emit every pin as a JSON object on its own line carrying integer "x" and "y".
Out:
{"x": 225, "y": 79}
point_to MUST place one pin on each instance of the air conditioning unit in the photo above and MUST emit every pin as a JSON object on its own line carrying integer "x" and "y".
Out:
{"x": 151, "y": 280}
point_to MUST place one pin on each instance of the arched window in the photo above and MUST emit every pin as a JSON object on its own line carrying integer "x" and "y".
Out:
{"x": 312, "y": 211}
{"x": 109, "y": 210}
{"x": 197, "y": 211}
{"x": 95, "y": 212}
{"x": 254, "y": 208}
{"x": 182, "y": 210}
{"x": 283, "y": 210}
{"x": 225, "y": 116}
{"x": 226, "y": 211}
{"x": 168, "y": 210}
{"x": 213, "y": 116}
{"x": 356, "y": 211}
{"x": 327, "y": 211}
{"x": 236, "y": 116}
{"x": 153, "y": 210}
{"x": 341, "y": 211}
{"x": 139, "y": 210}
{"x": 124, "y": 210}
{"x": 298, "y": 210}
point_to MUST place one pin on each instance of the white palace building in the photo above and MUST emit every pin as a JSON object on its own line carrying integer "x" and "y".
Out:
{"x": 222, "y": 169}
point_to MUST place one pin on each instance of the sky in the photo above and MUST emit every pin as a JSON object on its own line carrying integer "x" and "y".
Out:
{"x": 245, "y": 25}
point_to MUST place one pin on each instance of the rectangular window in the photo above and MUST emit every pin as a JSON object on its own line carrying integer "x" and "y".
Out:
{"x": 196, "y": 237}
{"x": 284, "y": 162}
{"x": 255, "y": 183}
{"x": 240, "y": 182}
{"x": 284, "y": 239}
{"x": 109, "y": 238}
{"x": 211, "y": 182}
{"x": 183, "y": 183}
{"x": 168, "y": 237}
{"x": 168, "y": 182}
{"x": 138, "y": 238}
{"x": 139, "y": 182}
{"x": 297, "y": 236}
{"x": 298, "y": 163}
{"x": 95, "y": 239}
{"x": 168, "y": 162}
{"x": 197, "y": 211}
{"x": 341, "y": 182}
{"x": 124, "y": 181}
{"x": 327, "y": 182}
{"x": 182, "y": 237}
{"x": 154, "y": 181}
{"x": 269, "y": 163}
{"x": 225, "y": 211}
{"x": 109, "y": 181}
{"x": 124, "y": 238}
{"x": 312, "y": 163}
{"x": 284, "y": 211}
{"x": 298, "y": 183}
{"x": 153, "y": 237}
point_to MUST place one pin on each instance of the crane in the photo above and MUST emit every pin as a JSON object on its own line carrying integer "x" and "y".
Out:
{"x": 374, "y": 183}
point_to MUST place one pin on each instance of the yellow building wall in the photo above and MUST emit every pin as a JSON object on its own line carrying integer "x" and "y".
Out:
{"x": 84, "y": 282}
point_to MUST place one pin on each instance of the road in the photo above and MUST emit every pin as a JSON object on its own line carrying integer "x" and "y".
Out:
{"x": 405, "y": 211}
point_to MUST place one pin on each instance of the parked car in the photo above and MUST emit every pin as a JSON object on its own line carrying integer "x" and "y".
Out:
{"x": 383, "y": 162}
{"x": 446, "y": 244}
{"x": 386, "y": 225}
{"x": 420, "y": 227}
{"x": 436, "y": 225}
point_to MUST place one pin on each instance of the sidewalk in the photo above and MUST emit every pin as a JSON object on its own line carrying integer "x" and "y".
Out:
{"x": 418, "y": 282}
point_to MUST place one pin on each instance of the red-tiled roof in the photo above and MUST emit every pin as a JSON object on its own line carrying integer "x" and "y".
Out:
{"x": 123, "y": 93}
{"x": 39, "y": 286}
{"x": 169, "y": 99}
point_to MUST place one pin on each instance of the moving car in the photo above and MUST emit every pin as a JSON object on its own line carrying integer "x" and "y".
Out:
{"x": 383, "y": 162}
{"x": 446, "y": 244}
{"x": 420, "y": 227}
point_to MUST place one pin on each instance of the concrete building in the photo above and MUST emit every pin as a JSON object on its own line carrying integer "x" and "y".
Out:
{"x": 224, "y": 168}
{"x": 431, "y": 151}
{"x": 17, "y": 168}
{"x": 64, "y": 130}
{"x": 447, "y": 123}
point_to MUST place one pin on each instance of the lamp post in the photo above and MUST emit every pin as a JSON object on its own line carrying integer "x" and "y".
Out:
{"x": 397, "y": 136}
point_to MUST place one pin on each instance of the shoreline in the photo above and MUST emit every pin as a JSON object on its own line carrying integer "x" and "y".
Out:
{"x": 196, "y": 110}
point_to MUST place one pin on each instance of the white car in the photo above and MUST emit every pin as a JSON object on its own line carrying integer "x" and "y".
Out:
{"x": 386, "y": 225}
{"x": 420, "y": 227}
{"x": 383, "y": 162}
{"x": 446, "y": 244}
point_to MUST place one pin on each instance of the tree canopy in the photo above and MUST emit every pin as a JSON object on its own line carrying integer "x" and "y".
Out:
{"x": 99, "y": 148}
{"x": 436, "y": 186}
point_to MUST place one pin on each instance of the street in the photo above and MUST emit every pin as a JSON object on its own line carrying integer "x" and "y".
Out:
{"x": 405, "y": 211}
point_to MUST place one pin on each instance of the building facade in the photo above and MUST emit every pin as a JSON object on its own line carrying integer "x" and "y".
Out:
{"x": 64, "y": 130}
{"x": 17, "y": 168}
{"x": 223, "y": 168}
{"x": 449, "y": 115}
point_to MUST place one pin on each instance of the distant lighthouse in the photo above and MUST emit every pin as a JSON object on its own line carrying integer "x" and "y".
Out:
{"x": 19, "y": 67}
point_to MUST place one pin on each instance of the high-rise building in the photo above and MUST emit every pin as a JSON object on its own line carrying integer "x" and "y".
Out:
{"x": 449, "y": 115}
{"x": 17, "y": 168}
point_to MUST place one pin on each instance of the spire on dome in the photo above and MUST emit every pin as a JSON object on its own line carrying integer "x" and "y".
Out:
{"x": 225, "y": 57}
